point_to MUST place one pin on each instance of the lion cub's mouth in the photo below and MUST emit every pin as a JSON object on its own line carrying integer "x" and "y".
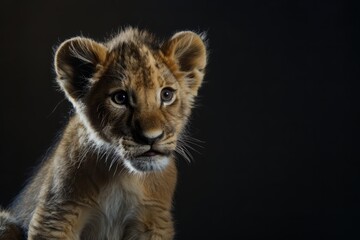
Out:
{"x": 149, "y": 159}
{"x": 145, "y": 158}
{"x": 151, "y": 153}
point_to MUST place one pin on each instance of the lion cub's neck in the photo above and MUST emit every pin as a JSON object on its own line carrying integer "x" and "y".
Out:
{"x": 82, "y": 148}
{"x": 89, "y": 167}
{"x": 111, "y": 191}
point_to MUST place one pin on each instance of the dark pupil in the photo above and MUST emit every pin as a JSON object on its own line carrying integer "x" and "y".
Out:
{"x": 120, "y": 98}
{"x": 167, "y": 95}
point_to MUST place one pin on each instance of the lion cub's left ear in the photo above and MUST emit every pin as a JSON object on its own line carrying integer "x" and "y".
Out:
{"x": 186, "y": 56}
{"x": 77, "y": 61}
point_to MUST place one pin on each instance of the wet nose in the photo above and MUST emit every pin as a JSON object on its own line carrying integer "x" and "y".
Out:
{"x": 149, "y": 136}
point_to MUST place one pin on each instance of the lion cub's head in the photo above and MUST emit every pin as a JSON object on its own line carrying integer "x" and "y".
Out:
{"x": 133, "y": 93}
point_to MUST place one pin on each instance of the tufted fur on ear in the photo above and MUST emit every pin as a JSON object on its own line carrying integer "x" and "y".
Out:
{"x": 186, "y": 57}
{"x": 77, "y": 61}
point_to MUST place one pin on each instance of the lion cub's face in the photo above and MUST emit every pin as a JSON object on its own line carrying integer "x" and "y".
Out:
{"x": 133, "y": 93}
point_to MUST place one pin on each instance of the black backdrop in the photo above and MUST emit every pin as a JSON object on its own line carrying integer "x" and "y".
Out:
{"x": 278, "y": 114}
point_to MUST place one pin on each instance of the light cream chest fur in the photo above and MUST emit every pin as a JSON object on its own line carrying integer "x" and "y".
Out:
{"x": 117, "y": 206}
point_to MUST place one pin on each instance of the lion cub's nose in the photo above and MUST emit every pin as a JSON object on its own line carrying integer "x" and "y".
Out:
{"x": 153, "y": 133}
{"x": 150, "y": 136}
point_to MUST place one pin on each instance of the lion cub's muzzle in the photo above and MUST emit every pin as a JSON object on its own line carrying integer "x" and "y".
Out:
{"x": 148, "y": 151}
{"x": 148, "y": 137}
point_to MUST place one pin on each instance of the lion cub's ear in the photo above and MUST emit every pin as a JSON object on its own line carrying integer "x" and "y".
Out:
{"x": 186, "y": 56}
{"x": 77, "y": 60}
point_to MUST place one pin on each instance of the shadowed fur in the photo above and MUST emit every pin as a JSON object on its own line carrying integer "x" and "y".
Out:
{"x": 112, "y": 174}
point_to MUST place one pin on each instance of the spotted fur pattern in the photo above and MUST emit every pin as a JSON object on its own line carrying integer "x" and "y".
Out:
{"x": 112, "y": 175}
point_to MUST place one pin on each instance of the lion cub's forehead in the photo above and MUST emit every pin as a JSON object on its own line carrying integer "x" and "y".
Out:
{"x": 141, "y": 65}
{"x": 138, "y": 60}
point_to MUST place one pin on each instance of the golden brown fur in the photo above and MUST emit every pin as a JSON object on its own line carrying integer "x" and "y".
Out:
{"x": 112, "y": 175}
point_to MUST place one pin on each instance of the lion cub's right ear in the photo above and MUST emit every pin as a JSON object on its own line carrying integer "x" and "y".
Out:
{"x": 76, "y": 62}
{"x": 185, "y": 53}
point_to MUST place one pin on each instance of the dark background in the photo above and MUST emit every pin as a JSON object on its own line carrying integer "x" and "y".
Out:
{"x": 278, "y": 114}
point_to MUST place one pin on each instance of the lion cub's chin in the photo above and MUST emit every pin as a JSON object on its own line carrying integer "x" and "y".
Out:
{"x": 147, "y": 163}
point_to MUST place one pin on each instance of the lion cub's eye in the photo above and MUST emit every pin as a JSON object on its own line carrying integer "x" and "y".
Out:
{"x": 167, "y": 94}
{"x": 119, "y": 97}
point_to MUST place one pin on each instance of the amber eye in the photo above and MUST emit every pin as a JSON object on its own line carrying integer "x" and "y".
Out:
{"x": 167, "y": 94}
{"x": 119, "y": 97}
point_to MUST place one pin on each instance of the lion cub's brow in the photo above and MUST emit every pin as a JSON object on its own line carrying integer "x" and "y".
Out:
{"x": 143, "y": 66}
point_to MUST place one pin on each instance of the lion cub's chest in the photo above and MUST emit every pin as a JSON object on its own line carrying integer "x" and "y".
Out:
{"x": 117, "y": 206}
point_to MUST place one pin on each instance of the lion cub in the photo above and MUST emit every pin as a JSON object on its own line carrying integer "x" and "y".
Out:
{"x": 112, "y": 174}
